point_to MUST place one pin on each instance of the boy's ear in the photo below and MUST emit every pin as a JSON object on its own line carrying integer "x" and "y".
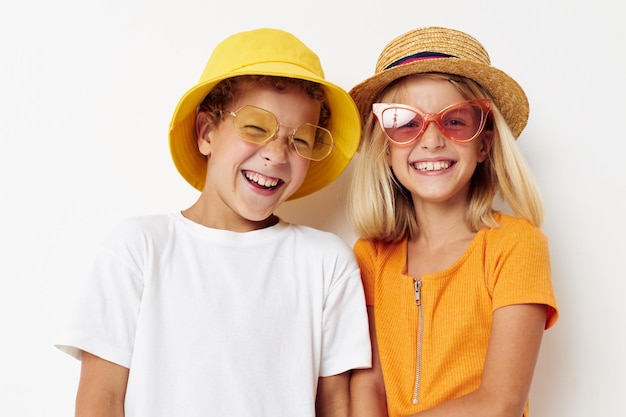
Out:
{"x": 203, "y": 130}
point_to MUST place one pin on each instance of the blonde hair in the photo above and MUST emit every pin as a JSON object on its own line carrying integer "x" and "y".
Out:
{"x": 380, "y": 208}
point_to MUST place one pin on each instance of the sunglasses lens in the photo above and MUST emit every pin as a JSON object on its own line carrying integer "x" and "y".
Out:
{"x": 463, "y": 122}
{"x": 254, "y": 124}
{"x": 312, "y": 142}
{"x": 402, "y": 125}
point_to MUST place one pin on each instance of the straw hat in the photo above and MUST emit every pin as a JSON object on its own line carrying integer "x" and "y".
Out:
{"x": 436, "y": 49}
{"x": 265, "y": 52}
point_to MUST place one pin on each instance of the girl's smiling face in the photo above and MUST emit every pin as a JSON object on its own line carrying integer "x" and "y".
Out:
{"x": 245, "y": 181}
{"x": 434, "y": 168}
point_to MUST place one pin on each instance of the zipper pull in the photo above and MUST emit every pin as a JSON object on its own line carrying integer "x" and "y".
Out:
{"x": 418, "y": 295}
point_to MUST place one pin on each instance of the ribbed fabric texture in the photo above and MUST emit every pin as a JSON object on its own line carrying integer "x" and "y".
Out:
{"x": 503, "y": 266}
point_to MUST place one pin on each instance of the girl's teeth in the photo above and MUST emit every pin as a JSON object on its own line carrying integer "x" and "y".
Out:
{"x": 432, "y": 166}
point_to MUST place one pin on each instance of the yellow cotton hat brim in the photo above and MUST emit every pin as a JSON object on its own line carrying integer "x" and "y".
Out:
{"x": 270, "y": 52}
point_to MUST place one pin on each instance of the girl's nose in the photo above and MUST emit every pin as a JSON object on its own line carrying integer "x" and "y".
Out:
{"x": 432, "y": 137}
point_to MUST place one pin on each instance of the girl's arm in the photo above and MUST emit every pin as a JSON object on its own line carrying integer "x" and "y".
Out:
{"x": 101, "y": 389}
{"x": 509, "y": 366}
{"x": 367, "y": 390}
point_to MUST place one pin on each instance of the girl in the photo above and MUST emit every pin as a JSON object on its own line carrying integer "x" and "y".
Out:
{"x": 458, "y": 293}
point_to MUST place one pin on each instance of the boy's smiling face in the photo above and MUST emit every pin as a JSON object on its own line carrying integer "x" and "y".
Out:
{"x": 245, "y": 181}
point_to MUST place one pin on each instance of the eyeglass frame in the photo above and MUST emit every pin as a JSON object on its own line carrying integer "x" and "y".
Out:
{"x": 485, "y": 104}
{"x": 290, "y": 137}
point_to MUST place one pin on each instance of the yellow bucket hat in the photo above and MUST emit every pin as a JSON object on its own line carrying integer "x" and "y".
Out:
{"x": 265, "y": 52}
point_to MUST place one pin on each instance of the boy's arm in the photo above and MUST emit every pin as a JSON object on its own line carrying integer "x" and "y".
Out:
{"x": 367, "y": 389}
{"x": 102, "y": 388}
{"x": 333, "y": 396}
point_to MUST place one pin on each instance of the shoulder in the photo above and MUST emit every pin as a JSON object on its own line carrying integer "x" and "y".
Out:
{"x": 140, "y": 230}
{"x": 324, "y": 244}
{"x": 319, "y": 252}
{"x": 515, "y": 239}
{"x": 326, "y": 247}
{"x": 377, "y": 248}
{"x": 144, "y": 222}
{"x": 323, "y": 240}
{"x": 512, "y": 228}
{"x": 375, "y": 255}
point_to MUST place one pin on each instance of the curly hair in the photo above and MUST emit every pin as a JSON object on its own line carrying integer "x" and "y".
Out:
{"x": 229, "y": 90}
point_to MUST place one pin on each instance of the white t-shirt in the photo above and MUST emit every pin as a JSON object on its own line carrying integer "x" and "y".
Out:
{"x": 213, "y": 322}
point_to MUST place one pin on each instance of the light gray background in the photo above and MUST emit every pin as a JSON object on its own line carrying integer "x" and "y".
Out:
{"x": 87, "y": 89}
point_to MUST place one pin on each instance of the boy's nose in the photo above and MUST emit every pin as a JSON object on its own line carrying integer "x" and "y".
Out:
{"x": 276, "y": 150}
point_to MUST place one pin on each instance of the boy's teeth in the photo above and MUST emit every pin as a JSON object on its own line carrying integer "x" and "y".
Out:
{"x": 262, "y": 181}
{"x": 431, "y": 166}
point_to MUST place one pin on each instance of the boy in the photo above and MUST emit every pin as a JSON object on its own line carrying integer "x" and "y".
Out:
{"x": 223, "y": 308}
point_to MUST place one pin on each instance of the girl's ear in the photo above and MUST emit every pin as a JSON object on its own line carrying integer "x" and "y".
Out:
{"x": 203, "y": 130}
{"x": 486, "y": 140}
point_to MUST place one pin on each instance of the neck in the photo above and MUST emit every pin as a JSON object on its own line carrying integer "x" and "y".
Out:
{"x": 441, "y": 224}
{"x": 210, "y": 217}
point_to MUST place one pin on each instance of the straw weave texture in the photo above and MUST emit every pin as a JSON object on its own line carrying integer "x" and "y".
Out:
{"x": 454, "y": 43}
{"x": 468, "y": 58}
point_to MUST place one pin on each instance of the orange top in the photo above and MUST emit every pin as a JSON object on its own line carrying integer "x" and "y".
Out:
{"x": 502, "y": 266}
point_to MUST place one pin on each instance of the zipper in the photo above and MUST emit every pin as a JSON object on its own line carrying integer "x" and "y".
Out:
{"x": 417, "y": 284}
